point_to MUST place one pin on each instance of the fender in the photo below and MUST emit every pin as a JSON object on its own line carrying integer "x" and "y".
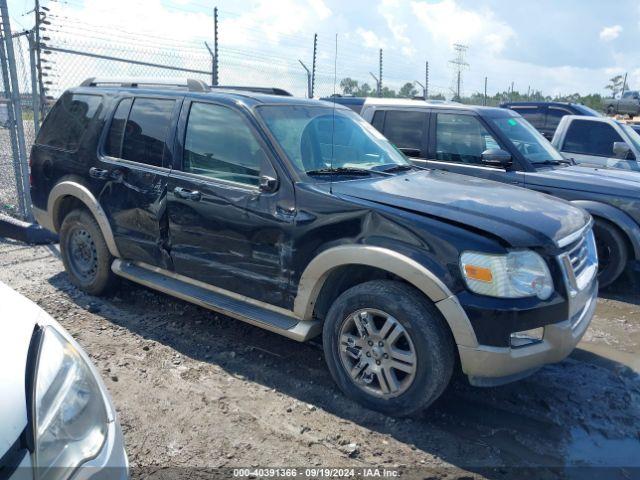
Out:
{"x": 82, "y": 193}
{"x": 316, "y": 273}
{"x": 616, "y": 216}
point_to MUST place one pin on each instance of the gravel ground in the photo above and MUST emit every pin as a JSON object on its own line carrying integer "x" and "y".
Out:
{"x": 196, "y": 390}
{"x": 8, "y": 191}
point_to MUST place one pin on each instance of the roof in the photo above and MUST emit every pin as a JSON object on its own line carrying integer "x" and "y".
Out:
{"x": 404, "y": 102}
{"x": 249, "y": 98}
{"x": 537, "y": 104}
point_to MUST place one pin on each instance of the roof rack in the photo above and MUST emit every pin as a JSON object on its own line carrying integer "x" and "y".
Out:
{"x": 191, "y": 84}
{"x": 267, "y": 90}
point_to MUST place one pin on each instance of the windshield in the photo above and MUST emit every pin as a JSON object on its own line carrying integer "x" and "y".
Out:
{"x": 633, "y": 136}
{"x": 527, "y": 140}
{"x": 315, "y": 139}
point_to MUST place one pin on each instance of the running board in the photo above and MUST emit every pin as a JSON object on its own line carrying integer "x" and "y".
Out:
{"x": 248, "y": 310}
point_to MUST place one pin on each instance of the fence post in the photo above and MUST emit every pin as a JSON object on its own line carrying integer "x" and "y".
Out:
{"x": 215, "y": 47}
{"x": 309, "y": 94}
{"x": 426, "y": 80}
{"x": 380, "y": 76}
{"x": 35, "y": 94}
{"x": 485, "y": 91}
{"x": 213, "y": 64}
{"x": 17, "y": 108}
{"x": 313, "y": 65}
{"x": 12, "y": 126}
{"x": 42, "y": 102}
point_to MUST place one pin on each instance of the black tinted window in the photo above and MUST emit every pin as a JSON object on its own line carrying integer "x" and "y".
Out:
{"x": 113, "y": 146}
{"x": 533, "y": 115}
{"x": 378, "y": 120}
{"x": 554, "y": 115}
{"x": 68, "y": 120}
{"x": 220, "y": 144}
{"x": 462, "y": 138}
{"x": 146, "y": 130}
{"x": 591, "y": 138}
{"x": 405, "y": 129}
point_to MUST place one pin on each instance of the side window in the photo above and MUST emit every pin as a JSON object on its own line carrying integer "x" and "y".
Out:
{"x": 378, "y": 120}
{"x": 405, "y": 129}
{"x": 462, "y": 138}
{"x": 68, "y": 120}
{"x": 533, "y": 115}
{"x": 626, "y": 95}
{"x": 590, "y": 138}
{"x": 220, "y": 144}
{"x": 115, "y": 136}
{"x": 554, "y": 115}
{"x": 145, "y": 130}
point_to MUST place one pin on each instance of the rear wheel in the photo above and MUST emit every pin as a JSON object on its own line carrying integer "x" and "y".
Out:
{"x": 388, "y": 347}
{"x": 612, "y": 252}
{"x": 85, "y": 254}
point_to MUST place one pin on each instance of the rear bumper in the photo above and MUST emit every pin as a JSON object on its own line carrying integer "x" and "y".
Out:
{"x": 489, "y": 366}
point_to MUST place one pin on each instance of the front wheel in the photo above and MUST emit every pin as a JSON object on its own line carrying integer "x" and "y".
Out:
{"x": 612, "y": 252}
{"x": 388, "y": 347}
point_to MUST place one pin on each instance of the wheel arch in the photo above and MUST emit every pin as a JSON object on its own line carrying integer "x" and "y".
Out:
{"x": 615, "y": 216}
{"x": 70, "y": 192}
{"x": 314, "y": 281}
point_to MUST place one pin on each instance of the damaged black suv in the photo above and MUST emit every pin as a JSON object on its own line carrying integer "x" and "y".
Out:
{"x": 298, "y": 217}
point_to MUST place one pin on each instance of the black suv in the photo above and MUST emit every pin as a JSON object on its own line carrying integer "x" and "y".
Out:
{"x": 297, "y": 216}
{"x": 545, "y": 116}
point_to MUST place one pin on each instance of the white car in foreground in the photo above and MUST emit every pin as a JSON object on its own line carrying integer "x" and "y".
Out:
{"x": 56, "y": 416}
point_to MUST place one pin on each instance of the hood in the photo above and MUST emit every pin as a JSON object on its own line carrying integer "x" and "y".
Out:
{"x": 18, "y": 317}
{"x": 521, "y": 217}
{"x": 619, "y": 183}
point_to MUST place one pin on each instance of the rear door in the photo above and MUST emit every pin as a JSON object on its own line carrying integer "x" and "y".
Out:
{"x": 133, "y": 169}
{"x": 225, "y": 230}
{"x": 406, "y": 129}
{"x": 534, "y": 114}
{"x": 456, "y": 142}
{"x": 553, "y": 116}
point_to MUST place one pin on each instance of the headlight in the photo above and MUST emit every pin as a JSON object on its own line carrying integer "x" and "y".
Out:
{"x": 517, "y": 274}
{"x": 69, "y": 412}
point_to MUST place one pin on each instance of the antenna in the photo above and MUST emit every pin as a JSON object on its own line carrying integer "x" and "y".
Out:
{"x": 333, "y": 113}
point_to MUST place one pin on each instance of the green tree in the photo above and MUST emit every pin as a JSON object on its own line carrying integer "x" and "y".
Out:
{"x": 388, "y": 93}
{"x": 407, "y": 90}
{"x": 365, "y": 91}
{"x": 615, "y": 85}
{"x": 349, "y": 86}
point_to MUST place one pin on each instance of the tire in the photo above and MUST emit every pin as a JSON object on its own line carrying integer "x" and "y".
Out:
{"x": 85, "y": 254}
{"x": 612, "y": 252}
{"x": 418, "y": 328}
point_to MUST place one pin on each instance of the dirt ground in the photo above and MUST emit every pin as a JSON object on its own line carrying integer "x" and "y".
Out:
{"x": 197, "y": 391}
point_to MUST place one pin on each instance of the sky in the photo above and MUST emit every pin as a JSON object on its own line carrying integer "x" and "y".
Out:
{"x": 559, "y": 47}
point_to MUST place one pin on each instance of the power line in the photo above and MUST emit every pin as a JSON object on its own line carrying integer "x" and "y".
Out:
{"x": 459, "y": 64}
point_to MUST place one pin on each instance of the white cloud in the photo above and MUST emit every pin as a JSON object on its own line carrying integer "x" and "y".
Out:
{"x": 369, "y": 38}
{"x": 450, "y": 23}
{"x": 608, "y": 34}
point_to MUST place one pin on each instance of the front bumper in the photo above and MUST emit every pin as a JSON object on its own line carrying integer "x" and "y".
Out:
{"x": 490, "y": 366}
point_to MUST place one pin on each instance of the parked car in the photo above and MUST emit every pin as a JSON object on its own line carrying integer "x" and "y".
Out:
{"x": 627, "y": 104}
{"x": 498, "y": 144}
{"x": 56, "y": 416}
{"x": 545, "y": 116}
{"x": 296, "y": 216}
{"x": 598, "y": 142}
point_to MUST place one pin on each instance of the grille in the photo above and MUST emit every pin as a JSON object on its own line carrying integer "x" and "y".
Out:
{"x": 579, "y": 255}
{"x": 580, "y": 261}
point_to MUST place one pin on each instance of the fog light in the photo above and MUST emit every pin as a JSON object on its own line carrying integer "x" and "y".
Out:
{"x": 527, "y": 337}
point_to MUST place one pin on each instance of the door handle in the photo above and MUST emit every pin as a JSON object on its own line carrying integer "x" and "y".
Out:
{"x": 99, "y": 173}
{"x": 116, "y": 175}
{"x": 185, "y": 194}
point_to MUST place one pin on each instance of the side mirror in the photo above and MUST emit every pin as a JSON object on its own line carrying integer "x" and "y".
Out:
{"x": 410, "y": 152}
{"x": 268, "y": 184}
{"x": 621, "y": 149}
{"x": 496, "y": 157}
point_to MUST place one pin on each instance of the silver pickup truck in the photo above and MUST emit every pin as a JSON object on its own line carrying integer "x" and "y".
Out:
{"x": 628, "y": 104}
{"x": 598, "y": 142}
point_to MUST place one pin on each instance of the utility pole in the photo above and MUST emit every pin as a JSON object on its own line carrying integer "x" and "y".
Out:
{"x": 459, "y": 64}
{"x": 216, "y": 62}
{"x": 624, "y": 84}
{"x": 380, "y": 75}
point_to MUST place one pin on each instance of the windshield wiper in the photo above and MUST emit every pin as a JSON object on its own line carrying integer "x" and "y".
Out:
{"x": 556, "y": 162}
{"x": 394, "y": 168}
{"x": 346, "y": 171}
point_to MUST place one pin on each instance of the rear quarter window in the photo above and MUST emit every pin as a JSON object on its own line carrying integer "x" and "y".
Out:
{"x": 68, "y": 120}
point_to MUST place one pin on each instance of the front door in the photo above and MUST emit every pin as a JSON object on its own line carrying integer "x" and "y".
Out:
{"x": 134, "y": 167}
{"x": 225, "y": 230}
{"x": 457, "y": 142}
